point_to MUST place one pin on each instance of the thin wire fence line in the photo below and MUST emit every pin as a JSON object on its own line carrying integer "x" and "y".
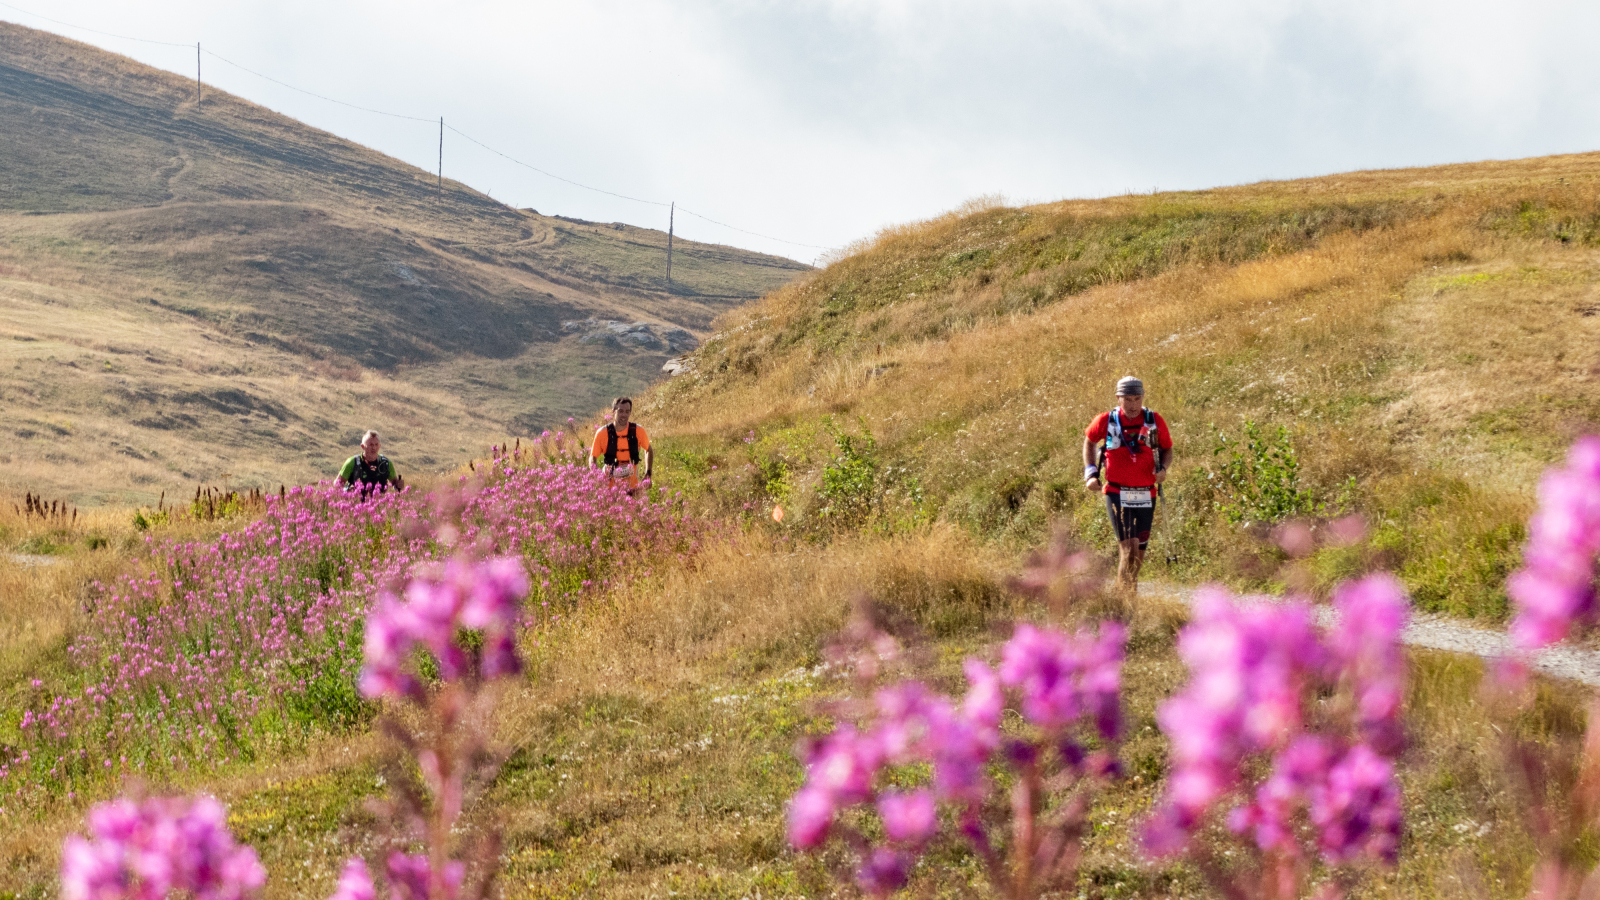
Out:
{"x": 92, "y": 30}
{"x": 550, "y": 174}
{"x": 519, "y": 162}
{"x": 767, "y": 237}
{"x": 430, "y": 121}
{"x": 313, "y": 93}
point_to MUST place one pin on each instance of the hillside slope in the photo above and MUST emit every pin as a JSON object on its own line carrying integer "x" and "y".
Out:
{"x": 183, "y": 286}
{"x": 1429, "y": 339}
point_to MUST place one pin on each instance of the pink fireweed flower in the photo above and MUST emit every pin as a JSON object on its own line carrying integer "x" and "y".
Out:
{"x": 481, "y": 596}
{"x": 985, "y": 699}
{"x": 811, "y": 813}
{"x": 1253, "y": 671}
{"x": 1555, "y": 588}
{"x": 884, "y": 871}
{"x": 1248, "y": 665}
{"x": 1366, "y": 645}
{"x": 1064, "y": 678}
{"x": 1065, "y": 683}
{"x": 1357, "y": 808}
{"x": 411, "y": 878}
{"x": 908, "y": 818}
{"x": 843, "y": 765}
{"x": 148, "y": 849}
{"x": 1353, "y": 800}
{"x": 355, "y": 883}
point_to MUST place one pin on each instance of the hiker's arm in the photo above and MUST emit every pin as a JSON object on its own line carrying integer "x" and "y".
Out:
{"x": 1089, "y": 481}
{"x": 1164, "y": 461}
{"x": 649, "y": 461}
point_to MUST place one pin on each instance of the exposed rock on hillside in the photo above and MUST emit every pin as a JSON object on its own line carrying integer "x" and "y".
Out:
{"x": 632, "y": 336}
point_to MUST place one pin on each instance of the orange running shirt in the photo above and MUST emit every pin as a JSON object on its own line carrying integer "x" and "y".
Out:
{"x": 598, "y": 449}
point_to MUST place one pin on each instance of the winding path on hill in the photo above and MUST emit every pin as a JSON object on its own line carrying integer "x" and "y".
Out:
{"x": 1436, "y": 632}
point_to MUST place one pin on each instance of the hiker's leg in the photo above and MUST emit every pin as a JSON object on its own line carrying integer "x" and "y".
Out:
{"x": 1142, "y": 522}
{"x": 1135, "y": 563}
{"x": 1125, "y": 539}
{"x": 1127, "y": 563}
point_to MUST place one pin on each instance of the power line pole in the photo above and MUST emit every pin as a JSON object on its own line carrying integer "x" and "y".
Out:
{"x": 672, "y": 213}
{"x": 441, "y": 153}
{"x": 196, "y": 74}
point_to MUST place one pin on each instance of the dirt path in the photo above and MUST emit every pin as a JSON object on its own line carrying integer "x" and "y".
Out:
{"x": 1443, "y": 633}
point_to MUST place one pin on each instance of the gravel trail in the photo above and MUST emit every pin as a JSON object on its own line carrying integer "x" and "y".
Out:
{"x": 1443, "y": 633}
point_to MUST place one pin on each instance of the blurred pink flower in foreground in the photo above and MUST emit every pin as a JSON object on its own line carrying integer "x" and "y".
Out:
{"x": 1256, "y": 671}
{"x": 484, "y": 596}
{"x": 1067, "y": 688}
{"x": 145, "y": 850}
{"x": 1555, "y": 588}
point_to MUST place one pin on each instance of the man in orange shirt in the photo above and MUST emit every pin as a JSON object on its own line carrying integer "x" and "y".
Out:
{"x": 622, "y": 446}
{"x": 1138, "y": 450}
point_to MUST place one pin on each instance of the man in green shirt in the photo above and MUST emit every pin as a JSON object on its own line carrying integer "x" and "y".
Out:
{"x": 369, "y": 470}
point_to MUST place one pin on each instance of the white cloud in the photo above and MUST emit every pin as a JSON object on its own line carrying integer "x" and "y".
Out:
{"x": 823, "y": 120}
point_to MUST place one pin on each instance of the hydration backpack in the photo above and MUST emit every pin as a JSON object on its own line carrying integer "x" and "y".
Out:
{"x": 611, "y": 445}
{"x": 374, "y": 475}
{"x": 1147, "y": 439}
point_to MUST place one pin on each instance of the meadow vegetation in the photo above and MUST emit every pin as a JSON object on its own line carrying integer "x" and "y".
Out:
{"x": 1413, "y": 347}
{"x": 1424, "y": 342}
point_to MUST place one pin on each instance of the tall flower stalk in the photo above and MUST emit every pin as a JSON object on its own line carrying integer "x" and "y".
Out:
{"x": 1554, "y": 591}
{"x": 459, "y": 622}
{"x": 1554, "y": 595}
{"x": 1257, "y": 671}
{"x": 1065, "y": 689}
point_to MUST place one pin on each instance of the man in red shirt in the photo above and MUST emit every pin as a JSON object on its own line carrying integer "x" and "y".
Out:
{"x": 1138, "y": 450}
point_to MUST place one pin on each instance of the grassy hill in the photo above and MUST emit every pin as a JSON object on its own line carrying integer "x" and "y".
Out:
{"x": 1426, "y": 340}
{"x": 220, "y": 292}
{"x": 1429, "y": 340}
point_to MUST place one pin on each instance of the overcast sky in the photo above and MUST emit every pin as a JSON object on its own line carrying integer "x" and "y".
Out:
{"x": 820, "y": 122}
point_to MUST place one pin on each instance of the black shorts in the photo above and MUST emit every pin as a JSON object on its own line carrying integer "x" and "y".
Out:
{"x": 1129, "y": 523}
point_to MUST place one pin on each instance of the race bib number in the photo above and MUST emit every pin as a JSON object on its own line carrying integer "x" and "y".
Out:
{"x": 1136, "y": 498}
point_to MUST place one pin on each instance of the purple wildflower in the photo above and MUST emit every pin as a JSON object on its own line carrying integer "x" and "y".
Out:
{"x": 908, "y": 818}
{"x": 355, "y": 883}
{"x": 1357, "y": 809}
{"x": 1253, "y": 669}
{"x": 1366, "y": 644}
{"x": 482, "y": 596}
{"x": 1555, "y": 588}
{"x": 411, "y": 878}
{"x": 1064, "y": 678}
{"x": 1064, "y": 682}
{"x": 885, "y": 871}
{"x": 811, "y": 814}
{"x": 146, "y": 850}
{"x": 843, "y": 764}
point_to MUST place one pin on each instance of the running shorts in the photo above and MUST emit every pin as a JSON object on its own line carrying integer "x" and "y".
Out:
{"x": 1128, "y": 523}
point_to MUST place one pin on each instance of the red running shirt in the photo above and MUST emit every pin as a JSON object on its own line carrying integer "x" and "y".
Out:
{"x": 1123, "y": 466}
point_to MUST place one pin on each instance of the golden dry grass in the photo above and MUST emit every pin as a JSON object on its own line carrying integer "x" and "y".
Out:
{"x": 1430, "y": 338}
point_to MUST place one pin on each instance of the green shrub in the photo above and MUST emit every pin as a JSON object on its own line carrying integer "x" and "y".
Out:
{"x": 851, "y": 489}
{"x": 1257, "y": 478}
